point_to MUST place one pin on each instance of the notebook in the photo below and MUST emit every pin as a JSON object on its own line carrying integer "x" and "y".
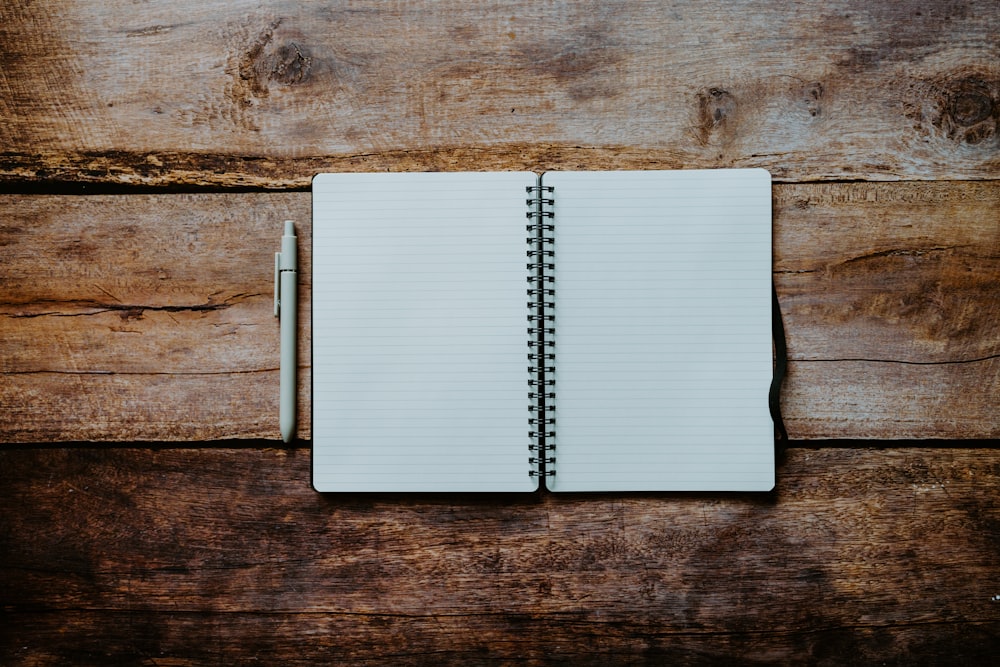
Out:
{"x": 589, "y": 331}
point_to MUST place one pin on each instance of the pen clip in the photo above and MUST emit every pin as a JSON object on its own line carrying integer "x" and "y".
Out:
{"x": 277, "y": 284}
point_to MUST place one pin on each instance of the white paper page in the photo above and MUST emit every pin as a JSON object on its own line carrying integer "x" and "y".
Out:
{"x": 663, "y": 330}
{"x": 420, "y": 332}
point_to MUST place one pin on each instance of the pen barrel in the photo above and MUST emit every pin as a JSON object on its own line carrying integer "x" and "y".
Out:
{"x": 289, "y": 356}
{"x": 289, "y": 258}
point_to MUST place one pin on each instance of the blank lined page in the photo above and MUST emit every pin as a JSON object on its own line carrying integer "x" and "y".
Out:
{"x": 663, "y": 330}
{"x": 420, "y": 332}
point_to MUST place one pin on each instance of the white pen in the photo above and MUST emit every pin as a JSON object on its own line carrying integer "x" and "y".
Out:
{"x": 286, "y": 271}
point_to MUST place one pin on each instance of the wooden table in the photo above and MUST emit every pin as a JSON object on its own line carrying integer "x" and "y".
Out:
{"x": 151, "y": 515}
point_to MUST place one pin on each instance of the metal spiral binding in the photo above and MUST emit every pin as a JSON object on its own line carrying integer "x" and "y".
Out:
{"x": 541, "y": 353}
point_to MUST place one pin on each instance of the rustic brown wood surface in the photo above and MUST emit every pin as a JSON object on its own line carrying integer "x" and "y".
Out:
{"x": 193, "y": 556}
{"x": 147, "y": 318}
{"x": 269, "y": 93}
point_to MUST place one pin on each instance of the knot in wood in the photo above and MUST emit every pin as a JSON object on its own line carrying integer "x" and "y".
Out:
{"x": 968, "y": 107}
{"x": 291, "y": 64}
{"x": 715, "y": 106}
{"x": 971, "y": 107}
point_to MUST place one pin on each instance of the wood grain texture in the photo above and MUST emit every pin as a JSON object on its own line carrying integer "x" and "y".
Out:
{"x": 891, "y": 299}
{"x": 185, "y": 556}
{"x": 146, "y": 317}
{"x": 268, "y": 93}
{"x": 149, "y": 317}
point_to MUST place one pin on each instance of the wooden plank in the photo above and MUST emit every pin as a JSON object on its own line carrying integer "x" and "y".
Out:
{"x": 266, "y": 94}
{"x": 146, "y": 317}
{"x": 182, "y": 556}
{"x": 149, "y": 317}
{"x": 891, "y": 298}
{"x": 489, "y": 638}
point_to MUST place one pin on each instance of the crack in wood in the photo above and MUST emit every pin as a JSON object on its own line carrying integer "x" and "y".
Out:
{"x": 43, "y": 371}
{"x": 177, "y": 170}
{"x": 901, "y": 361}
{"x": 131, "y": 311}
{"x": 902, "y": 252}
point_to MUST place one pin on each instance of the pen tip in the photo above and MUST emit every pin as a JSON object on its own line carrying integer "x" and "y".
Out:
{"x": 289, "y": 228}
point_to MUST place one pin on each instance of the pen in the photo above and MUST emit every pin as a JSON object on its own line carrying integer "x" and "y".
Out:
{"x": 285, "y": 278}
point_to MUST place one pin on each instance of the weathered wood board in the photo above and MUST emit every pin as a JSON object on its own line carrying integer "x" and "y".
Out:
{"x": 149, "y": 317}
{"x": 250, "y": 93}
{"x": 184, "y": 556}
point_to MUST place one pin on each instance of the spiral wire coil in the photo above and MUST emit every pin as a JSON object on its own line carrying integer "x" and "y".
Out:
{"x": 541, "y": 328}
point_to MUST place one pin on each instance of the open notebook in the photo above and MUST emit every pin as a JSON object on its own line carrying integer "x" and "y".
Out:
{"x": 600, "y": 331}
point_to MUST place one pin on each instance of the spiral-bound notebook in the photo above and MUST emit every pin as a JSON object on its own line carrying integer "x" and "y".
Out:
{"x": 600, "y": 331}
